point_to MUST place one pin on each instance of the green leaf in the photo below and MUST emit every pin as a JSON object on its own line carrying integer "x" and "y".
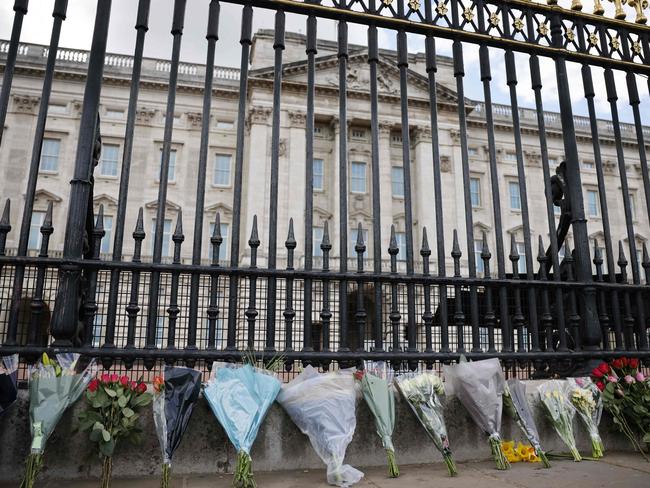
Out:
{"x": 127, "y": 412}
{"x": 106, "y": 435}
{"x": 111, "y": 393}
{"x": 122, "y": 401}
{"x": 107, "y": 448}
{"x": 95, "y": 435}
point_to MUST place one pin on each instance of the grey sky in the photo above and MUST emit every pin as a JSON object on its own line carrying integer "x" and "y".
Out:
{"x": 78, "y": 27}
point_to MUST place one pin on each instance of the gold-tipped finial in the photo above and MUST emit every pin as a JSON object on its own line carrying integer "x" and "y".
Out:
{"x": 620, "y": 13}
{"x": 639, "y": 6}
{"x": 576, "y": 5}
{"x": 598, "y": 8}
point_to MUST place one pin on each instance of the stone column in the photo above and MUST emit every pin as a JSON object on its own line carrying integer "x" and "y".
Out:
{"x": 295, "y": 196}
{"x": 334, "y": 190}
{"x": 385, "y": 182}
{"x": 424, "y": 208}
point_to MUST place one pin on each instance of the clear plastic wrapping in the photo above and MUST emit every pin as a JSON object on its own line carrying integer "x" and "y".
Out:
{"x": 8, "y": 378}
{"x": 587, "y": 400}
{"x": 554, "y": 397}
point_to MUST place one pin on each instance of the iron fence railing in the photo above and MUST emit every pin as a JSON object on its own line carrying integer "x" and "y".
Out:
{"x": 345, "y": 306}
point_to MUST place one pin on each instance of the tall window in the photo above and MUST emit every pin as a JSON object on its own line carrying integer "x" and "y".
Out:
{"x": 515, "y": 198}
{"x": 478, "y": 248}
{"x": 35, "y": 230}
{"x": 319, "y": 175}
{"x": 167, "y": 237}
{"x": 400, "y": 237}
{"x": 358, "y": 177}
{"x": 171, "y": 174}
{"x": 224, "y": 248}
{"x": 221, "y": 176}
{"x": 397, "y": 178}
{"x": 108, "y": 234}
{"x": 521, "y": 249}
{"x": 475, "y": 192}
{"x": 317, "y": 238}
{"x": 592, "y": 203}
{"x": 110, "y": 160}
{"x": 50, "y": 155}
{"x": 633, "y": 205}
{"x": 354, "y": 233}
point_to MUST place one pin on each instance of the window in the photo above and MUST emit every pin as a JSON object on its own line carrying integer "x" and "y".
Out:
{"x": 224, "y": 248}
{"x": 35, "y": 230}
{"x": 396, "y": 138}
{"x": 478, "y": 248}
{"x": 110, "y": 160}
{"x": 515, "y": 199}
{"x": 521, "y": 249}
{"x": 98, "y": 325}
{"x": 317, "y": 238}
{"x": 400, "y": 237}
{"x": 319, "y": 175}
{"x": 397, "y": 179}
{"x": 592, "y": 203}
{"x": 112, "y": 113}
{"x": 472, "y": 151}
{"x": 354, "y": 233}
{"x": 223, "y": 124}
{"x": 588, "y": 165}
{"x": 358, "y": 134}
{"x": 171, "y": 174}
{"x": 475, "y": 192}
{"x": 221, "y": 176}
{"x": 55, "y": 108}
{"x": 510, "y": 156}
{"x": 160, "y": 328}
{"x": 50, "y": 155}
{"x": 167, "y": 237}
{"x": 108, "y": 234}
{"x": 633, "y": 205}
{"x": 358, "y": 177}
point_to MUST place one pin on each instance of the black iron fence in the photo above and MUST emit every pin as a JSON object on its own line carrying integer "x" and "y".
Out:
{"x": 559, "y": 314}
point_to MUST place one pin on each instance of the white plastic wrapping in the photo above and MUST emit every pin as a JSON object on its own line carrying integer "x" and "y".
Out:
{"x": 323, "y": 408}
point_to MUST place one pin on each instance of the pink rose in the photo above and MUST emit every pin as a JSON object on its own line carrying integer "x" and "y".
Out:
{"x": 628, "y": 379}
{"x": 639, "y": 377}
{"x": 114, "y": 378}
{"x": 612, "y": 379}
{"x": 106, "y": 378}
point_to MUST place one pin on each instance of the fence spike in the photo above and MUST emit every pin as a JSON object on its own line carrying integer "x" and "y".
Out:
{"x": 139, "y": 233}
{"x": 5, "y": 225}
{"x": 455, "y": 249}
{"x": 568, "y": 256}
{"x": 541, "y": 253}
{"x": 392, "y": 246}
{"x": 646, "y": 258}
{"x": 325, "y": 244}
{"x": 47, "y": 221}
{"x": 216, "y": 231}
{"x": 360, "y": 247}
{"x": 622, "y": 262}
{"x": 290, "y": 243}
{"x": 425, "y": 251}
{"x": 178, "y": 232}
{"x": 598, "y": 256}
{"x": 99, "y": 223}
{"x": 254, "y": 240}
{"x": 514, "y": 252}
{"x": 485, "y": 251}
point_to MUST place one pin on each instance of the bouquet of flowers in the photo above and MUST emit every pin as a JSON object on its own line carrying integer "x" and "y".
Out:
{"x": 517, "y": 407}
{"x": 175, "y": 395}
{"x": 323, "y": 408}
{"x": 587, "y": 400}
{"x": 375, "y": 386}
{"x": 54, "y": 385}
{"x": 479, "y": 385}
{"x": 626, "y": 396}
{"x": 8, "y": 377}
{"x": 561, "y": 413}
{"x": 239, "y": 397}
{"x": 424, "y": 392}
{"x": 112, "y": 414}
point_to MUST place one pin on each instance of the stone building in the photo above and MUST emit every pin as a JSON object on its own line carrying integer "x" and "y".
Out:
{"x": 59, "y": 147}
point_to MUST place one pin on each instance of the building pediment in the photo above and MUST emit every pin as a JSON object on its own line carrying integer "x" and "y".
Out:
{"x": 169, "y": 205}
{"x": 220, "y": 207}
{"x": 106, "y": 200}
{"x": 44, "y": 195}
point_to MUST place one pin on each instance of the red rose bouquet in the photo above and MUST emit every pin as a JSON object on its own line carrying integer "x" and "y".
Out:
{"x": 626, "y": 396}
{"x": 113, "y": 405}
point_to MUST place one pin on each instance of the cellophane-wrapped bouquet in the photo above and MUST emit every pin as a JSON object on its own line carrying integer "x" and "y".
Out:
{"x": 479, "y": 385}
{"x": 54, "y": 385}
{"x": 588, "y": 402}
{"x": 375, "y": 381}
{"x": 8, "y": 378}
{"x": 240, "y": 396}
{"x": 518, "y": 409}
{"x": 424, "y": 392}
{"x": 560, "y": 412}
{"x": 175, "y": 395}
{"x": 322, "y": 405}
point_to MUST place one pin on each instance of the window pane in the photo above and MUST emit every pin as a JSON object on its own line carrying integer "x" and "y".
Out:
{"x": 475, "y": 191}
{"x": 358, "y": 177}
{"x": 521, "y": 249}
{"x": 400, "y": 237}
{"x": 35, "y": 230}
{"x": 171, "y": 174}
{"x": 107, "y": 239}
{"x": 633, "y": 205}
{"x": 319, "y": 168}
{"x": 167, "y": 237}
{"x": 592, "y": 203}
{"x": 50, "y": 155}
{"x": 515, "y": 200}
{"x": 397, "y": 176}
{"x": 478, "y": 248}
{"x": 110, "y": 160}
{"x": 221, "y": 175}
{"x": 316, "y": 241}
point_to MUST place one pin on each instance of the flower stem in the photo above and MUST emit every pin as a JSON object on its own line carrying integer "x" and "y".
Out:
{"x": 393, "y": 470}
{"x": 499, "y": 458}
{"x": 542, "y": 456}
{"x": 32, "y": 468}
{"x": 166, "y": 474}
{"x": 107, "y": 471}
{"x": 244, "y": 472}
{"x": 451, "y": 466}
{"x": 576, "y": 455}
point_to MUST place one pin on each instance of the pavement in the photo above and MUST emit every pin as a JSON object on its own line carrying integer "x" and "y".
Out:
{"x": 615, "y": 470}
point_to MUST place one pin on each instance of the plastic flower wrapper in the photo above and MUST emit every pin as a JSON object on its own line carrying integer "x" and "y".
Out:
{"x": 479, "y": 385}
{"x": 375, "y": 383}
{"x": 54, "y": 385}
{"x": 424, "y": 392}
{"x": 587, "y": 400}
{"x": 323, "y": 407}
{"x": 175, "y": 395}
{"x": 517, "y": 407}
{"x": 239, "y": 397}
{"x": 559, "y": 410}
{"x": 8, "y": 377}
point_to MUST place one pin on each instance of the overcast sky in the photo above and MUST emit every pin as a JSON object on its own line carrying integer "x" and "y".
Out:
{"x": 78, "y": 27}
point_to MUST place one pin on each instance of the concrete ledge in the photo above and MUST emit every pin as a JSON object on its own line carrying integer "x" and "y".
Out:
{"x": 279, "y": 446}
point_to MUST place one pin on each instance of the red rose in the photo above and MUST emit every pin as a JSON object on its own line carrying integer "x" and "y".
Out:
{"x": 106, "y": 378}
{"x": 603, "y": 368}
{"x": 142, "y": 388}
{"x": 93, "y": 385}
{"x": 625, "y": 362}
{"x": 114, "y": 378}
{"x": 124, "y": 381}
{"x": 596, "y": 373}
{"x": 134, "y": 385}
{"x": 359, "y": 374}
{"x": 633, "y": 363}
{"x": 617, "y": 363}
{"x": 600, "y": 385}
